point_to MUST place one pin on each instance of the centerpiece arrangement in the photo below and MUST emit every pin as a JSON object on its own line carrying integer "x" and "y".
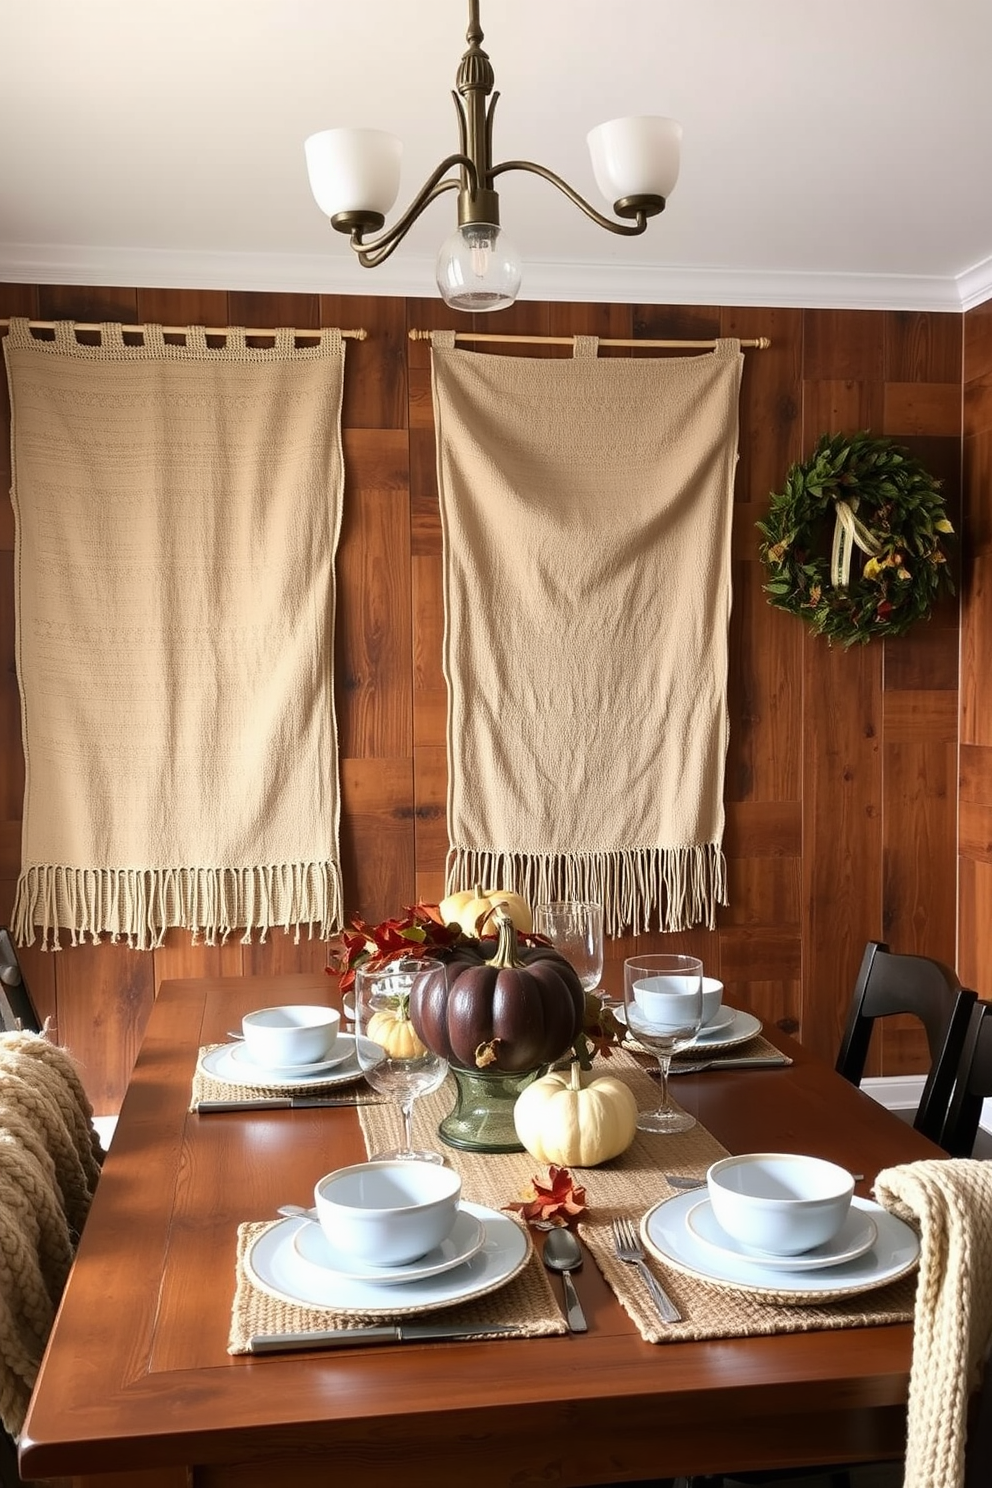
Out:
{"x": 509, "y": 1008}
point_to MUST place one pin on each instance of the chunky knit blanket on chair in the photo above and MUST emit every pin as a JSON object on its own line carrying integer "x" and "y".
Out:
{"x": 49, "y": 1166}
{"x": 950, "y": 1203}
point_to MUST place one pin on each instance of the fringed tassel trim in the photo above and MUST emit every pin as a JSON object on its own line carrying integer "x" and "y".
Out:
{"x": 139, "y": 904}
{"x": 640, "y": 888}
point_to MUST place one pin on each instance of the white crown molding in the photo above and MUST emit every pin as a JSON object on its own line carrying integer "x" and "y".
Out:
{"x": 407, "y": 276}
{"x": 975, "y": 284}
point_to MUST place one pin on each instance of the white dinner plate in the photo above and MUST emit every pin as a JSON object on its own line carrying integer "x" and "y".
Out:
{"x": 738, "y": 1028}
{"x": 894, "y": 1254}
{"x": 241, "y": 1055}
{"x": 857, "y": 1234}
{"x": 468, "y": 1235}
{"x": 221, "y": 1064}
{"x": 742, "y": 1026}
{"x": 722, "y": 1018}
{"x": 273, "y": 1263}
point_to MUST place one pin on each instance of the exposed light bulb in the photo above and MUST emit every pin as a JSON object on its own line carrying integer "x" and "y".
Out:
{"x": 478, "y": 268}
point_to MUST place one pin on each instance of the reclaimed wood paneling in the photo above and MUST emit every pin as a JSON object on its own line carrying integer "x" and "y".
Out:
{"x": 841, "y": 769}
{"x": 975, "y": 781}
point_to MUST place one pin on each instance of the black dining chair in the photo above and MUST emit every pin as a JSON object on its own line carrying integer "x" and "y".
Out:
{"x": 889, "y": 984}
{"x": 17, "y": 1011}
{"x": 973, "y": 1085}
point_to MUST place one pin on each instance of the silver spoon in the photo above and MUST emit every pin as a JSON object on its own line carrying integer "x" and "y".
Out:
{"x": 296, "y": 1211}
{"x": 562, "y": 1253}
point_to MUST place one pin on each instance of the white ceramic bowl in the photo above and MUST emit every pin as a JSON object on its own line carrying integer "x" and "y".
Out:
{"x": 388, "y": 1213}
{"x": 281, "y": 1037}
{"x": 712, "y": 998}
{"x": 668, "y": 1003}
{"x": 779, "y": 1202}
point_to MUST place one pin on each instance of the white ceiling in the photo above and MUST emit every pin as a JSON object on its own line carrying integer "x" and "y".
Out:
{"x": 835, "y": 153}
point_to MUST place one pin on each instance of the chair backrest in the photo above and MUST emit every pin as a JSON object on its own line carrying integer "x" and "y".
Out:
{"x": 973, "y": 1084}
{"x": 17, "y": 1011}
{"x": 888, "y": 984}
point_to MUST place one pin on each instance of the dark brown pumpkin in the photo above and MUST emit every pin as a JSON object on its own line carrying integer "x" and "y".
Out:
{"x": 509, "y": 1011}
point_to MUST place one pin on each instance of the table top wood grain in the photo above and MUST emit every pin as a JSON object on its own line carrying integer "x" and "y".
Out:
{"x": 137, "y": 1377}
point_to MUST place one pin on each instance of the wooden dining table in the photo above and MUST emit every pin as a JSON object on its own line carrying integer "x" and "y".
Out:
{"x": 137, "y": 1380}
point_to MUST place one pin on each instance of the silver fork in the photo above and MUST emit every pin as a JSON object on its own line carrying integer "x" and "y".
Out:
{"x": 629, "y": 1249}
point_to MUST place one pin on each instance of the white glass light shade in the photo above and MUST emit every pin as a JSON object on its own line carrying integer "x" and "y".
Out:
{"x": 636, "y": 156}
{"x": 478, "y": 268}
{"x": 354, "y": 170}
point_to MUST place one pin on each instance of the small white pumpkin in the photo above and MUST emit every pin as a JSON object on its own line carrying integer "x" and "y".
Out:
{"x": 561, "y": 1121}
{"x": 473, "y": 910}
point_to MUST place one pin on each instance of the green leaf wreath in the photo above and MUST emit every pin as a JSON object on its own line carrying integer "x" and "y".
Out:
{"x": 856, "y": 491}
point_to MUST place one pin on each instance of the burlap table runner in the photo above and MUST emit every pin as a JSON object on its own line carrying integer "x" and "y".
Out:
{"x": 628, "y": 1187}
{"x": 207, "y": 1087}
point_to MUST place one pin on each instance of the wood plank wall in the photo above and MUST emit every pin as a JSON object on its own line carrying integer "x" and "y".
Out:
{"x": 841, "y": 778}
{"x": 975, "y": 823}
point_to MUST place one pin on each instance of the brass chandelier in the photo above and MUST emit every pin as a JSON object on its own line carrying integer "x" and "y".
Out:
{"x": 355, "y": 173}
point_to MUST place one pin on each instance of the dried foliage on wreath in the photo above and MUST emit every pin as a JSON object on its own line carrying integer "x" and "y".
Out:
{"x": 857, "y": 492}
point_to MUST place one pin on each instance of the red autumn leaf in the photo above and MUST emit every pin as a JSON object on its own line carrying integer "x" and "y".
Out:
{"x": 551, "y": 1203}
{"x": 419, "y": 932}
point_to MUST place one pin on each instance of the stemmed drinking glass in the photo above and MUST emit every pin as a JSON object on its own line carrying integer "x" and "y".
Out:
{"x": 575, "y": 928}
{"x": 663, "y": 1003}
{"x": 393, "y": 1058}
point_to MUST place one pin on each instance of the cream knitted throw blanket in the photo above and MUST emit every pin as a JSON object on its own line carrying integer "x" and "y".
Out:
{"x": 950, "y": 1203}
{"x": 177, "y": 510}
{"x": 586, "y": 509}
{"x": 49, "y": 1166}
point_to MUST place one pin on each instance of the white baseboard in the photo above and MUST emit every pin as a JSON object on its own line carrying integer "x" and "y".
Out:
{"x": 105, "y": 1129}
{"x": 895, "y": 1092}
{"x": 902, "y": 1093}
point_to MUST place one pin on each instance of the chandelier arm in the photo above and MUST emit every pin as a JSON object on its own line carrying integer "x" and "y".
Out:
{"x": 376, "y": 251}
{"x": 624, "y": 229}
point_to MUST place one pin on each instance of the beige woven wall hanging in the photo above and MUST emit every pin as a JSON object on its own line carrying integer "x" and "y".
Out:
{"x": 586, "y": 509}
{"x": 177, "y": 510}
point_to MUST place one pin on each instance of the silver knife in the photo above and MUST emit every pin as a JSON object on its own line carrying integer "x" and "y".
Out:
{"x": 286, "y": 1103}
{"x": 274, "y": 1343}
{"x": 755, "y": 1061}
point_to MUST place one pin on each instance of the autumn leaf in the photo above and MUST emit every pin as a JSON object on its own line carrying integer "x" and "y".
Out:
{"x": 552, "y": 1203}
{"x": 419, "y": 931}
{"x": 601, "y": 1032}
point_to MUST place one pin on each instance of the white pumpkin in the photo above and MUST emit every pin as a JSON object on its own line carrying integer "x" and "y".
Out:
{"x": 472, "y": 910}
{"x": 561, "y": 1121}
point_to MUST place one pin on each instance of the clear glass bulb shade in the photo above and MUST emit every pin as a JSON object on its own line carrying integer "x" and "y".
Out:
{"x": 353, "y": 170}
{"x": 478, "y": 268}
{"x": 636, "y": 156}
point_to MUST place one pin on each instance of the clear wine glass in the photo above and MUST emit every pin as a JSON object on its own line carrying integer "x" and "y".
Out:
{"x": 393, "y": 1059}
{"x": 575, "y": 928}
{"x": 663, "y": 1004}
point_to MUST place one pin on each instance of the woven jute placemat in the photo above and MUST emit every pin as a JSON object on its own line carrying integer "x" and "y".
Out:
{"x": 207, "y": 1087}
{"x": 628, "y": 1187}
{"x": 526, "y": 1302}
{"x": 757, "y": 1047}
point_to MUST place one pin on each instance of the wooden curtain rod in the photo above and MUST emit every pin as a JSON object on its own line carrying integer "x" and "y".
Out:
{"x": 84, "y": 325}
{"x": 759, "y": 343}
